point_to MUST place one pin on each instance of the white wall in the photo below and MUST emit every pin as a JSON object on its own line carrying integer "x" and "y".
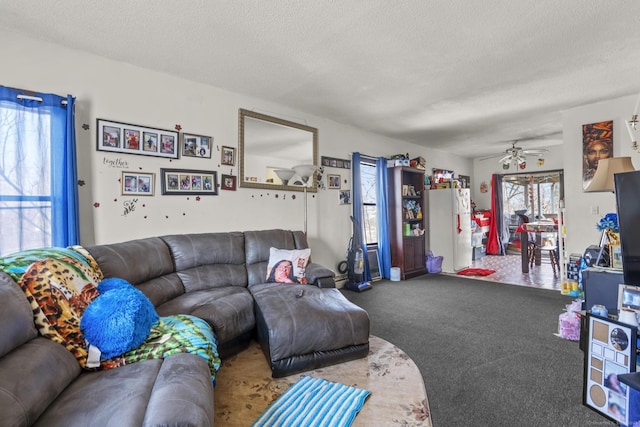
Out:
{"x": 116, "y": 91}
{"x": 581, "y": 206}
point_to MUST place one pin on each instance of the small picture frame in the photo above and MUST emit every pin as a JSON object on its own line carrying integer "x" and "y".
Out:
{"x": 615, "y": 255}
{"x": 180, "y": 182}
{"x": 333, "y": 182}
{"x": 126, "y": 138}
{"x": 374, "y": 264}
{"x": 137, "y": 183}
{"x": 228, "y": 182}
{"x": 228, "y": 156}
{"x": 345, "y": 197}
{"x": 196, "y": 145}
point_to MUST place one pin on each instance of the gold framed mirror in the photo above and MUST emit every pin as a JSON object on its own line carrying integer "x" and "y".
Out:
{"x": 269, "y": 147}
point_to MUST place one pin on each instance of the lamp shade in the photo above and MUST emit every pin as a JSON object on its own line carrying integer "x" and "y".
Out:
{"x": 305, "y": 171}
{"x": 285, "y": 175}
{"x": 603, "y": 178}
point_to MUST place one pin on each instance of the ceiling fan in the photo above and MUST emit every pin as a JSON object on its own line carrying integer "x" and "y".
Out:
{"x": 517, "y": 155}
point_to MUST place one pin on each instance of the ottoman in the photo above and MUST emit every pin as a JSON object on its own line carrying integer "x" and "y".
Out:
{"x": 301, "y": 333}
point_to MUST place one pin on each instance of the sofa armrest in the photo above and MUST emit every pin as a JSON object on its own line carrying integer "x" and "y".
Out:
{"x": 320, "y": 276}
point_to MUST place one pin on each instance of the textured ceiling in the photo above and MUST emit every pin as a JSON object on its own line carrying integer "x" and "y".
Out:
{"x": 463, "y": 76}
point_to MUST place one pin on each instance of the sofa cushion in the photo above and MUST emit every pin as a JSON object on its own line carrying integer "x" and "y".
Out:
{"x": 48, "y": 369}
{"x": 16, "y": 319}
{"x": 321, "y": 320}
{"x": 287, "y": 265}
{"x": 182, "y": 395}
{"x": 208, "y": 260}
{"x": 136, "y": 261}
{"x": 115, "y": 397}
{"x": 228, "y": 310}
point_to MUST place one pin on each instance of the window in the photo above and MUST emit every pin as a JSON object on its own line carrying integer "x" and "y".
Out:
{"x": 369, "y": 201}
{"x": 25, "y": 179}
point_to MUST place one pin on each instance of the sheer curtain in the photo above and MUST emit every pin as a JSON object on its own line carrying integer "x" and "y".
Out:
{"x": 38, "y": 171}
{"x": 358, "y": 211}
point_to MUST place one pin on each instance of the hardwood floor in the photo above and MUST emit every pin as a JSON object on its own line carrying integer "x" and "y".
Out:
{"x": 509, "y": 270}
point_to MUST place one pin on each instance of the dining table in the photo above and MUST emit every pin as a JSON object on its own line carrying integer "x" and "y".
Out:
{"x": 538, "y": 228}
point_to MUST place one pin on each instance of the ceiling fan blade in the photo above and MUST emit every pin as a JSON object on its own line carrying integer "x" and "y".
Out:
{"x": 506, "y": 158}
{"x": 535, "y": 151}
{"x": 493, "y": 156}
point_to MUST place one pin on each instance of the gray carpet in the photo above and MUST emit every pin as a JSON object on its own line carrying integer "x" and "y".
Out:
{"x": 487, "y": 351}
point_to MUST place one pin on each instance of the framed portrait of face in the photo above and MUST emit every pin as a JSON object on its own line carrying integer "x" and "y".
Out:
{"x": 597, "y": 144}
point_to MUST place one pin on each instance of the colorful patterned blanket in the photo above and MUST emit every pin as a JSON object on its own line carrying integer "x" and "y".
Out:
{"x": 60, "y": 283}
{"x": 179, "y": 333}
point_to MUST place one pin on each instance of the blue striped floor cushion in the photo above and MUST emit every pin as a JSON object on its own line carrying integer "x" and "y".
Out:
{"x": 314, "y": 402}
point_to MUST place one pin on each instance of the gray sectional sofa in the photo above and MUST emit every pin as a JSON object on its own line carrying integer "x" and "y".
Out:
{"x": 218, "y": 277}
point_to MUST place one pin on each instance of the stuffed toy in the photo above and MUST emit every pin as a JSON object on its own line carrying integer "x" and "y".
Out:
{"x": 119, "y": 319}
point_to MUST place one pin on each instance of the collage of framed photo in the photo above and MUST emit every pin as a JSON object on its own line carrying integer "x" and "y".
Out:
{"x": 137, "y": 183}
{"x": 133, "y": 139}
{"x": 180, "y": 182}
{"x": 335, "y": 163}
{"x": 611, "y": 352}
{"x": 196, "y": 145}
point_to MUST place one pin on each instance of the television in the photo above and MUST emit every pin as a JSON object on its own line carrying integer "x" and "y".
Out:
{"x": 627, "y": 187}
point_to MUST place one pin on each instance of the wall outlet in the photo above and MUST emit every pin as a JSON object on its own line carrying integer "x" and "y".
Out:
{"x": 595, "y": 210}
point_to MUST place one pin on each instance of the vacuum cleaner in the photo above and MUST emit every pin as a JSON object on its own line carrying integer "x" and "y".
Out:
{"x": 355, "y": 262}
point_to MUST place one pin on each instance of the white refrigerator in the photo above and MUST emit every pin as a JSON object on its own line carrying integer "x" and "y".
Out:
{"x": 450, "y": 227}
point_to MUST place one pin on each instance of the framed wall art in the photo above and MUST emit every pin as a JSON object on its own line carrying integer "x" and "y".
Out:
{"x": 335, "y": 163}
{"x": 228, "y": 156}
{"x": 228, "y": 182}
{"x": 134, "y": 139}
{"x": 196, "y": 145}
{"x": 333, "y": 181}
{"x": 611, "y": 352}
{"x": 137, "y": 183}
{"x": 181, "y": 182}
{"x": 597, "y": 143}
{"x": 345, "y": 197}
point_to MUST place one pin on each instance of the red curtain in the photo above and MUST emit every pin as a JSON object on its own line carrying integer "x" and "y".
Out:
{"x": 493, "y": 245}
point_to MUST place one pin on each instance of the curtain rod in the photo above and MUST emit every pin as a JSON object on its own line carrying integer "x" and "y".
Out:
{"x": 37, "y": 98}
{"x": 31, "y": 95}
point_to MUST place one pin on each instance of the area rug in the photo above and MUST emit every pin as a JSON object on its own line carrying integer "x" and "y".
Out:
{"x": 314, "y": 402}
{"x": 245, "y": 387}
{"x": 475, "y": 272}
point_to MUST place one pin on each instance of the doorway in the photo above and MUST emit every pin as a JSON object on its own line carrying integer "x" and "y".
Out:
{"x": 535, "y": 196}
{"x": 531, "y": 197}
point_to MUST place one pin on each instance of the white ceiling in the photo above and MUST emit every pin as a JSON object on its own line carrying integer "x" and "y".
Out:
{"x": 464, "y": 76}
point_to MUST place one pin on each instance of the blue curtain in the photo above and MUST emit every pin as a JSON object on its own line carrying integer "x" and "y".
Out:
{"x": 382, "y": 202}
{"x": 358, "y": 211}
{"x": 38, "y": 180}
